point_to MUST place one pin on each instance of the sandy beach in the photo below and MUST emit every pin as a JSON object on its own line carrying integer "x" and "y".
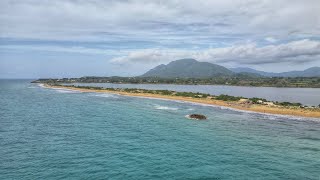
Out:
{"x": 280, "y": 110}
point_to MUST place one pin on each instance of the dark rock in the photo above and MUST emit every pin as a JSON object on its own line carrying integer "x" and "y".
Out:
{"x": 197, "y": 116}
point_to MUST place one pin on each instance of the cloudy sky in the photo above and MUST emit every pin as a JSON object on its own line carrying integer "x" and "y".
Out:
{"x": 72, "y": 38}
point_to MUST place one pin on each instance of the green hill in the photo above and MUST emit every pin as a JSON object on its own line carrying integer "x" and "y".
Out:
{"x": 188, "y": 68}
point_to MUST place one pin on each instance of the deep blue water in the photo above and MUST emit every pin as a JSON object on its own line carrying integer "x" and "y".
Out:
{"x": 59, "y": 134}
{"x": 306, "y": 96}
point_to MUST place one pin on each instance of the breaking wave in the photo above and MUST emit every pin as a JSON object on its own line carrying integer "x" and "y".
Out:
{"x": 66, "y": 91}
{"x": 106, "y": 95}
{"x": 165, "y": 108}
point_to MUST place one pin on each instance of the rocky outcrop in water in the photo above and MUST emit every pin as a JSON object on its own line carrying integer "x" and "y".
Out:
{"x": 197, "y": 116}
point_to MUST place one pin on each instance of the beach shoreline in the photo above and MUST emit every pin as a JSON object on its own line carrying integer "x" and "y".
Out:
{"x": 232, "y": 105}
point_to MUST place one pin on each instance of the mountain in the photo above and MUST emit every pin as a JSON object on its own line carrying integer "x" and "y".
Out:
{"x": 188, "y": 68}
{"x": 311, "y": 72}
{"x": 253, "y": 71}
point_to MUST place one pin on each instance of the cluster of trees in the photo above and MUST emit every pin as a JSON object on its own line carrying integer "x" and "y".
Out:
{"x": 191, "y": 94}
{"x": 288, "y": 104}
{"x": 236, "y": 80}
{"x": 225, "y": 97}
{"x": 255, "y": 99}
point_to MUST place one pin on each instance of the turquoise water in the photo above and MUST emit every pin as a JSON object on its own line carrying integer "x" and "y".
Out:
{"x": 59, "y": 134}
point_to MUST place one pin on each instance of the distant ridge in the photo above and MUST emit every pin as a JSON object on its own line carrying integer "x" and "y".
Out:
{"x": 310, "y": 72}
{"x": 188, "y": 68}
{"x": 191, "y": 68}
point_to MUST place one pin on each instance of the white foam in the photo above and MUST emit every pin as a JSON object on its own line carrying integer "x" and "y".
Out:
{"x": 66, "y": 91}
{"x": 42, "y": 85}
{"x": 60, "y": 90}
{"x": 105, "y": 95}
{"x": 165, "y": 108}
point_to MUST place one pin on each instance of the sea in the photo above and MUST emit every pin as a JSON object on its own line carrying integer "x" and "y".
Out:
{"x": 63, "y": 134}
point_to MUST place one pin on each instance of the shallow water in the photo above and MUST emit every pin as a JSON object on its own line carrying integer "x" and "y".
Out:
{"x": 306, "y": 96}
{"x": 56, "y": 133}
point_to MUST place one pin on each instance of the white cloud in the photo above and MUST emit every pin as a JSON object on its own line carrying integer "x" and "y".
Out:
{"x": 225, "y": 31}
{"x": 96, "y": 20}
{"x": 294, "y": 52}
{"x": 242, "y": 54}
{"x": 271, "y": 39}
{"x": 64, "y": 49}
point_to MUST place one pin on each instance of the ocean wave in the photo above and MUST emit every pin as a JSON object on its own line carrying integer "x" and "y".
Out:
{"x": 165, "y": 108}
{"x": 310, "y": 138}
{"x": 66, "y": 91}
{"x": 106, "y": 95}
{"x": 42, "y": 85}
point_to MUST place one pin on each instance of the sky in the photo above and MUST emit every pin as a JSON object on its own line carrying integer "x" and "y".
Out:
{"x": 74, "y": 38}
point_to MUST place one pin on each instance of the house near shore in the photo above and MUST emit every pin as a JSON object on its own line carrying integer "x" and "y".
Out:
{"x": 259, "y": 101}
{"x": 245, "y": 101}
{"x": 268, "y": 103}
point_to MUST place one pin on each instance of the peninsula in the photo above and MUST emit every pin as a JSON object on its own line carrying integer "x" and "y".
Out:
{"x": 240, "y": 103}
{"x": 190, "y": 71}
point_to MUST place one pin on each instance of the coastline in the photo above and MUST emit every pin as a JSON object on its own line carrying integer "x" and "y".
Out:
{"x": 232, "y": 105}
